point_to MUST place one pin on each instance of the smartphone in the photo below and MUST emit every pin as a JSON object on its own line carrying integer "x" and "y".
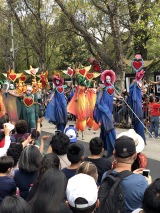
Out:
{"x": 146, "y": 172}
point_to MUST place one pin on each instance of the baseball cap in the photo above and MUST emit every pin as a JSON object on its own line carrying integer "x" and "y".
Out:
{"x": 124, "y": 147}
{"x": 82, "y": 186}
{"x": 71, "y": 132}
{"x": 139, "y": 142}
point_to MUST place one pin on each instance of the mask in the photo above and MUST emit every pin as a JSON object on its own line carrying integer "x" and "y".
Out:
{"x": 108, "y": 79}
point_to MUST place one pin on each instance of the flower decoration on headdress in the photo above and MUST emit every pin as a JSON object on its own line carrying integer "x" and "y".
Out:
{"x": 109, "y": 73}
{"x": 57, "y": 80}
{"x": 96, "y": 66}
{"x": 11, "y": 75}
{"x": 32, "y": 71}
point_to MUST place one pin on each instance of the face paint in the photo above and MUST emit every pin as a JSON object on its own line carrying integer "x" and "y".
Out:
{"x": 108, "y": 79}
{"x": 57, "y": 82}
{"x": 11, "y": 86}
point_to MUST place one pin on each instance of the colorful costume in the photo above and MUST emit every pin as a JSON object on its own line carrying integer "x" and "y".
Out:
{"x": 91, "y": 99}
{"x": 29, "y": 108}
{"x": 103, "y": 111}
{"x": 78, "y": 106}
{"x": 2, "y": 107}
{"x": 56, "y": 111}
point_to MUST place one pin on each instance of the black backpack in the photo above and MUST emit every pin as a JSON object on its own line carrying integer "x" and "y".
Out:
{"x": 110, "y": 193}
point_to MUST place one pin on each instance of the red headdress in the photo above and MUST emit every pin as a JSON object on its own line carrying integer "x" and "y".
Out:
{"x": 110, "y": 73}
{"x": 57, "y": 77}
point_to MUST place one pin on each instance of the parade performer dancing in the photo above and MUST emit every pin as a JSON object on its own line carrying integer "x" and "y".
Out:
{"x": 103, "y": 111}
{"x": 91, "y": 98}
{"x": 56, "y": 111}
{"x": 135, "y": 91}
{"x": 78, "y": 104}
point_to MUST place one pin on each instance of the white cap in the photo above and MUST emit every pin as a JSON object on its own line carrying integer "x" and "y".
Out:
{"x": 82, "y": 186}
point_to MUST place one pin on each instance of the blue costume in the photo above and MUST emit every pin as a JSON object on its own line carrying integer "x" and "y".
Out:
{"x": 103, "y": 115}
{"x": 57, "y": 109}
{"x": 135, "y": 102}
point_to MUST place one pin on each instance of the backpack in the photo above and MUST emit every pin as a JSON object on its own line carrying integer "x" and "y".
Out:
{"x": 110, "y": 193}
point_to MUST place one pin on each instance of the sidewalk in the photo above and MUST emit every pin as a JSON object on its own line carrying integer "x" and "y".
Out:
{"x": 152, "y": 149}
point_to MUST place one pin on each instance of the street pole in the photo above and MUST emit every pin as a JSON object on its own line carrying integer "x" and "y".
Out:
{"x": 13, "y": 62}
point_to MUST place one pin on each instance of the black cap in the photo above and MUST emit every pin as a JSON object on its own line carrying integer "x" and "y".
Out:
{"x": 124, "y": 147}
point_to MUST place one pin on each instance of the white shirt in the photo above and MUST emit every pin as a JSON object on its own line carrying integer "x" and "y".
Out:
{"x": 137, "y": 210}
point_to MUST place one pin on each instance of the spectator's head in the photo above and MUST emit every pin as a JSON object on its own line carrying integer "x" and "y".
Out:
{"x": 151, "y": 199}
{"x": 21, "y": 127}
{"x": 35, "y": 134}
{"x": 30, "y": 159}
{"x": 75, "y": 153}
{"x": 4, "y": 119}
{"x": 96, "y": 145}
{"x": 6, "y": 163}
{"x": 71, "y": 132}
{"x": 125, "y": 150}
{"x": 139, "y": 142}
{"x": 14, "y": 204}
{"x": 60, "y": 143}
{"x": 82, "y": 193}
{"x": 50, "y": 192}
{"x": 151, "y": 99}
{"x": 88, "y": 168}
{"x": 15, "y": 150}
{"x": 49, "y": 161}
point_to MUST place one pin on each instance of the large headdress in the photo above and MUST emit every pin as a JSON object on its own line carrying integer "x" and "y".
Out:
{"x": 106, "y": 73}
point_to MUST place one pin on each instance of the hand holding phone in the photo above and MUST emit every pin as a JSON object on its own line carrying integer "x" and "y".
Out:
{"x": 146, "y": 172}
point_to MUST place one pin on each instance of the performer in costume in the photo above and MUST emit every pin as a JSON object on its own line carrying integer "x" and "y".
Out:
{"x": 2, "y": 106}
{"x": 135, "y": 91}
{"x": 57, "y": 107}
{"x": 91, "y": 98}
{"x": 103, "y": 111}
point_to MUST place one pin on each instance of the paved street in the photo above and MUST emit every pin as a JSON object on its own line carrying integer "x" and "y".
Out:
{"x": 152, "y": 149}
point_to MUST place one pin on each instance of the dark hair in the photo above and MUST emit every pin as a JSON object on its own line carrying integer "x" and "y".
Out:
{"x": 2, "y": 135}
{"x": 81, "y": 200}
{"x": 35, "y": 134}
{"x": 6, "y": 162}
{"x": 60, "y": 143}
{"x": 49, "y": 161}
{"x": 30, "y": 159}
{"x": 14, "y": 204}
{"x": 14, "y": 151}
{"x": 4, "y": 119}
{"x": 75, "y": 152}
{"x": 50, "y": 192}
{"x": 151, "y": 99}
{"x": 21, "y": 127}
{"x": 151, "y": 199}
{"x": 95, "y": 145}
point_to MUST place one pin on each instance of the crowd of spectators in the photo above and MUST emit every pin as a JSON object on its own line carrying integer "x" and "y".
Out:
{"x": 62, "y": 179}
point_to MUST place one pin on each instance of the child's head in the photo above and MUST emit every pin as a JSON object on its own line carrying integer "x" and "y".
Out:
{"x": 88, "y": 168}
{"x": 75, "y": 153}
{"x": 6, "y": 163}
{"x": 96, "y": 145}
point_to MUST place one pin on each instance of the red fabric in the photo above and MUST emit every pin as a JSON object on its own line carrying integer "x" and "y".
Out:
{"x": 142, "y": 160}
{"x": 154, "y": 109}
{"x": 2, "y": 142}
